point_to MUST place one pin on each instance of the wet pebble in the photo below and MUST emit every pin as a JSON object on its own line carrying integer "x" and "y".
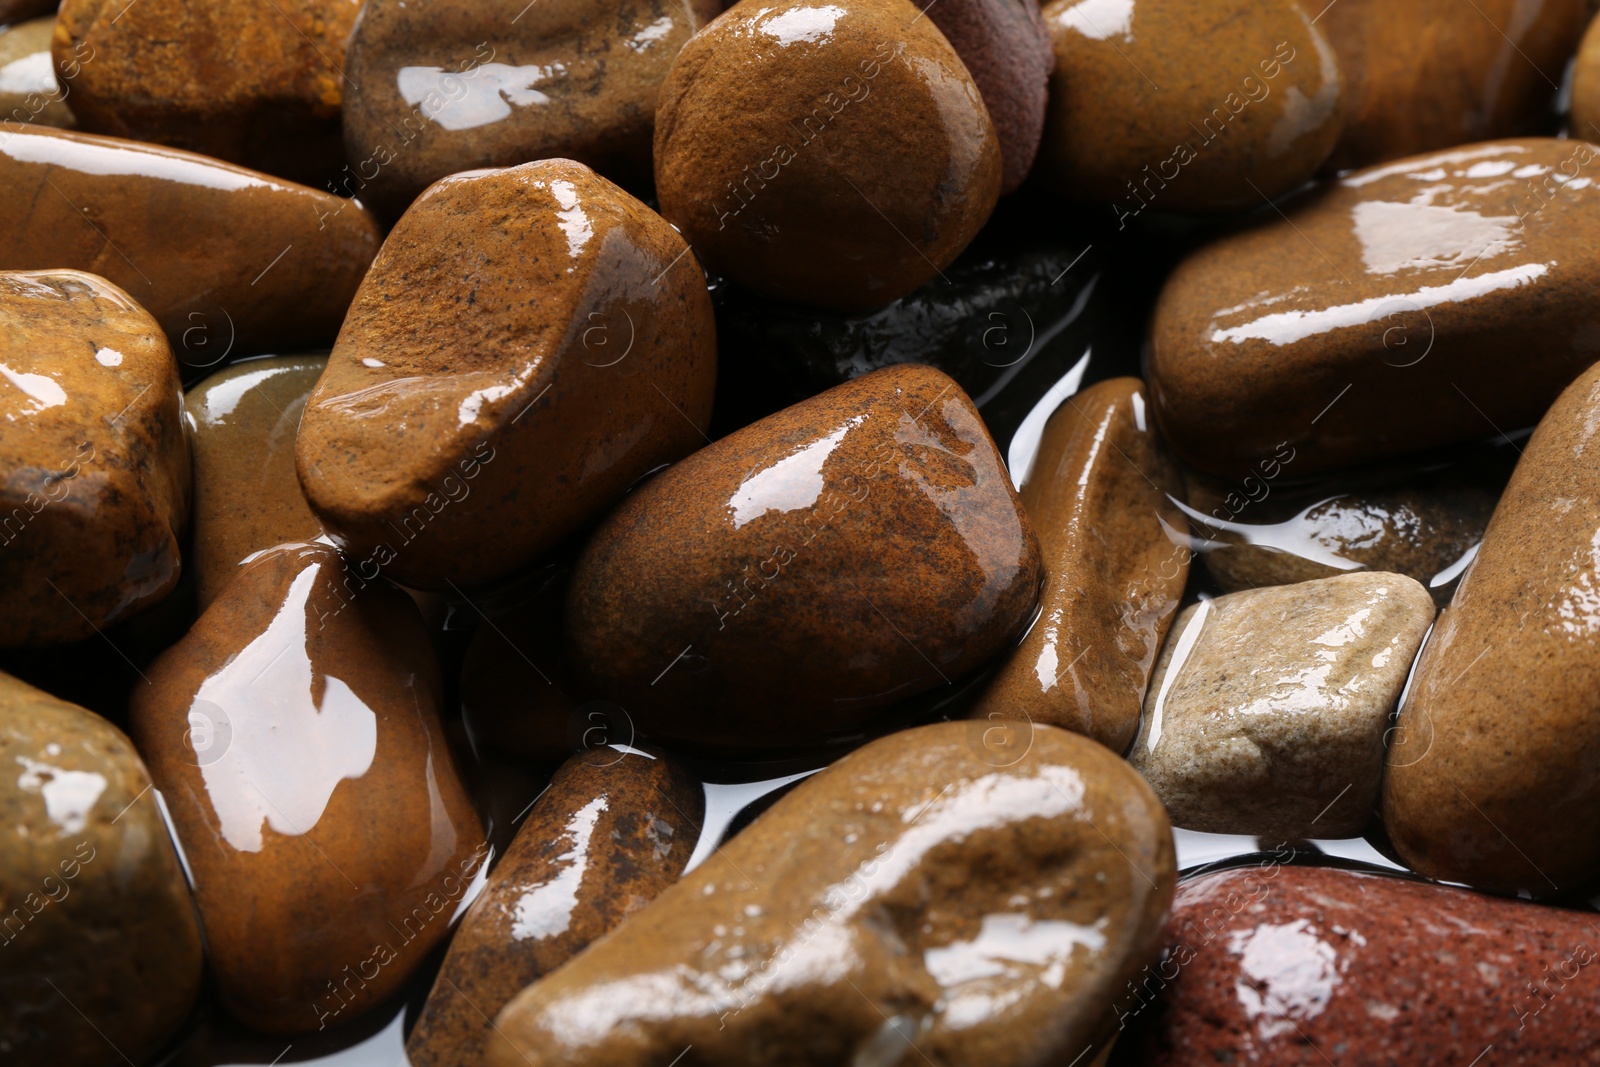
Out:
{"x": 29, "y": 90}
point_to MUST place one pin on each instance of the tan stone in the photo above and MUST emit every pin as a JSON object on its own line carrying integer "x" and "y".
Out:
{"x": 29, "y": 89}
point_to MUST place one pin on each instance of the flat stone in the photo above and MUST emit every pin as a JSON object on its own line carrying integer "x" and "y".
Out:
{"x": 92, "y": 900}
{"x": 1267, "y": 713}
{"x": 95, "y": 499}
{"x": 29, "y": 90}
{"x": 913, "y": 896}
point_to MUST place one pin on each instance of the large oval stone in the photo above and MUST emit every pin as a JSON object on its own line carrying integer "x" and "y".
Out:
{"x": 1378, "y": 316}
{"x": 295, "y": 733}
{"x": 789, "y": 580}
{"x": 1491, "y": 770}
{"x": 530, "y": 341}
{"x": 912, "y": 898}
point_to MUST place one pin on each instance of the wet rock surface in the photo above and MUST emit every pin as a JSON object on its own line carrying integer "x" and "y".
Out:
{"x": 29, "y": 89}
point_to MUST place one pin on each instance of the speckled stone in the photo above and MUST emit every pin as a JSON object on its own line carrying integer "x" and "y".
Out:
{"x": 529, "y": 342}
{"x": 1378, "y": 316}
{"x": 92, "y": 900}
{"x": 788, "y": 581}
{"x": 226, "y": 259}
{"x": 246, "y": 494}
{"x": 1268, "y": 710}
{"x": 835, "y": 156}
{"x": 613, "y": 830}
{"x": 912, "y": 895}
{"x": 95, "y": 496}
{"x": 450, "y": 85}
{"x": 1424, "y": 74}
{"x": 1275, "y": 966}
{"x": 295, "y": 734}
{"x": 1170, "y": 105}
{"x": 1098, "y": 496}
{"x": 1491, "y": 770}
{"x": 251, "y": 83}
{"x": 29, "y": 90}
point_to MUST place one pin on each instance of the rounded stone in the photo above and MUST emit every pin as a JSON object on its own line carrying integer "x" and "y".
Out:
{"x": 29, "y": 89}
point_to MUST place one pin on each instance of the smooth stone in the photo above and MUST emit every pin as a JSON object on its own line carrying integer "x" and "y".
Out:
{"x": 1174, "y": 106}
{"x": 1457, "y": 80}
{"x": 12, "y": 11}
{"x": 95, "y": 500}
{"x": 1490, "y": 769}
{"x": 912, "y": 896}
{"x": 1099, "y": 496}
{"x": 246, "y": 495}
{"x": 29, "y": 91}
{"x": 448, "y": 86}
{"x": 1375, "y": 318}
{"x": 279, "y": 265}
{"x": 532, "y": 340}
{"x": 295, "y": 734}
{"x": 1276, "y": 965}
{"x": 783, "y": 584}
{"x": 1268, "y": 711}
{"x": 102, "y": 955}
{"x": 254, "y": 84}
{"x": 1007, "y": 50}
{"x": 613, "y": 830}
{"x": 907, "y": 171}
{"x": 1586, "y": 86}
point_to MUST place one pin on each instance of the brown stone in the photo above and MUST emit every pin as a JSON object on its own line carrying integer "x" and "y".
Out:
{"x": 1461, "y": 76}
{"x": 613, "y": 830}
{"x": 450, "y": 85}
{"x": 1490, "y": 768}
{"x": 29, "y": 90}
{"x": 1586, "y": 87}
{"x": 295, "y": 733}
{"x": 95, "y": 499}
{"x": 19, "y": 10}
{"x": 1378, "y": 316}
{"x": 1178, "y": 106}
{"x": 102, "y": 955}
{"x": 800, "y": 574}
{"x": 913, "y": 898}
{"x": 833, "y": 156}
{"x": 251, "y": 83}
{"x": 1278, "y": 965}
{"x": 1099, "y": 497}
{"x": 529, "y": 342}
{"x": 246, "y": 494}
{"x": 226, "y": 259}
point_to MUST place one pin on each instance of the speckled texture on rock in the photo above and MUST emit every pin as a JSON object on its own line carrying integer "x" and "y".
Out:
{"x": 1426, "y": 74}
{"x": 29, "y": 91}
{"x": 990, "y": 913}
{"x": 251, "y": 83}
{"x": 449, "y": 85}
{"x": 791, "y": 579}
{"x": 1098, "y": 498}
{"x": 613, "y": 830}
{"x": 91, "y": 895}
{"x": 95, "y": 493}
{"x": 1268, "y": 710}
{"x": 246, "y": 494}
{"x": 1492, "y": 773}
{"x": 1304, "y": 966}
{"x": 226, "y": 259}
{"x": 828, "y": 155}
{"x": 1378, "y": 318}
{"x": 1179, "y": 106}
{"x": 295, "y": 734}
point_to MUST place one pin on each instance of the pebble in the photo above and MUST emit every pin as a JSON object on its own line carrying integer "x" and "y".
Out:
{"x": 92, "y": 899}
{"x": 613, "y": 830}
{"x": 912, "y": 896}
{"x": 29, "y": 91}
{"x": 1586, "y": 87}
{"x": 787, "y": 582}
{"x": 95, "y": 501}
{"x": 246, "y": 495}
{"x": 828, "y": 155}
{"x": 1268, "y": 711}
{"x": 1114, "y": 564}
{"x": 1176, "y": 106}
{"x": 1490, "y": 774}
{"x": 295, "y": 733}
{"x": 1376, "y": 316}
{"x": 529, "y": 342}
